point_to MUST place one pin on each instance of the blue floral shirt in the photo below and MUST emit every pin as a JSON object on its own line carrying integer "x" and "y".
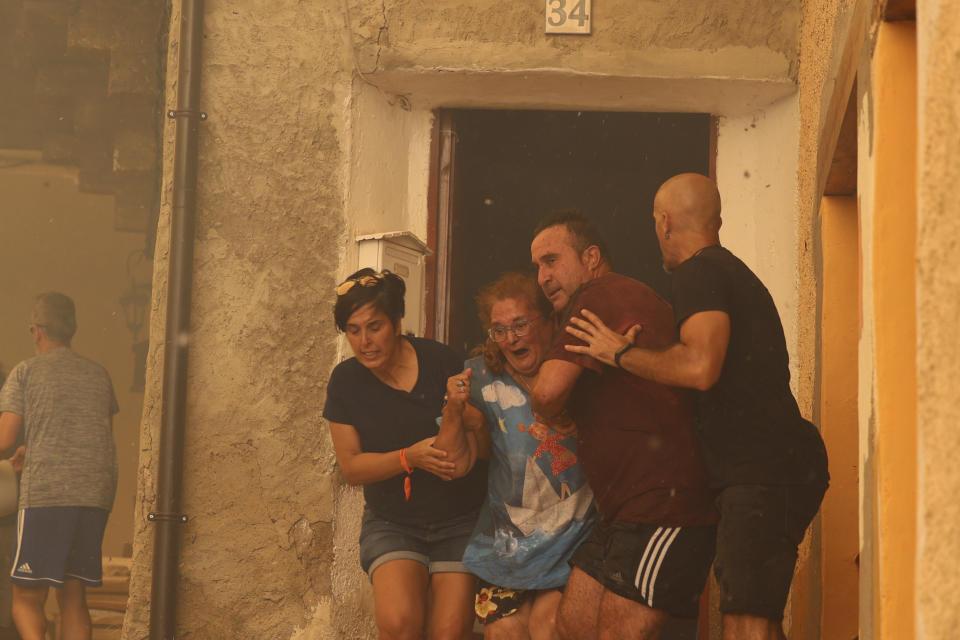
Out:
{"x": 539, "y": 507}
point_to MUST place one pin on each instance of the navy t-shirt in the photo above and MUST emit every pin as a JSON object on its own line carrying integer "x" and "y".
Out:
{"x": 749, "y": 424}
{"x": 388, "y": 419}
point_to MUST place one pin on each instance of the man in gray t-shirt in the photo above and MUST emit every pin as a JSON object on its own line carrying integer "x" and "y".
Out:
{"x": 65, "y": 405}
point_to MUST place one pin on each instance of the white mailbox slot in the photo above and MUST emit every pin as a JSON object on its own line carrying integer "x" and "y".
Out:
{"x": 402, "y": 253}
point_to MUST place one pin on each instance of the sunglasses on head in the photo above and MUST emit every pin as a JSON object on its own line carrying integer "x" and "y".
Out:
{"x": 364, "y": 281}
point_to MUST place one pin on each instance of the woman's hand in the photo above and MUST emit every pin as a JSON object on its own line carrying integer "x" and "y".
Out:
{"x": 424, "y": 455}
{"x": 458, "y": 389}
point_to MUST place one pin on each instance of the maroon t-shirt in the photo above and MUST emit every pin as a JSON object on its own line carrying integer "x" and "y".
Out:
{"x": 637, "y": 446}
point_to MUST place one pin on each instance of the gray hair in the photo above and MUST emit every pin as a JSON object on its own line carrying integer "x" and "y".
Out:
{"x": 57, "y": 314}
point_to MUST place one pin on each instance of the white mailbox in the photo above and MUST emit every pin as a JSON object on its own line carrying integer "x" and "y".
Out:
{"x": 402, "y": 253}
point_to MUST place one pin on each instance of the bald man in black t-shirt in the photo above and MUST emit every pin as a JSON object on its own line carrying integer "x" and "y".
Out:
{"x": 767, "y": 461}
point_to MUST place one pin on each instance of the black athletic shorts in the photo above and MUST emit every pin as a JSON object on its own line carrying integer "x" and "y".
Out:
{"x": 757, "y": 538}
{"x": 662, "y": 567}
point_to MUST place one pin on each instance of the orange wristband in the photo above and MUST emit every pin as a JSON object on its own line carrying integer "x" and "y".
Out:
{"x": 406, "y": 467}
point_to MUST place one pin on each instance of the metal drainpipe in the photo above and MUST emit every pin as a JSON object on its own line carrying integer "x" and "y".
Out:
{"x": 168, "y": 517}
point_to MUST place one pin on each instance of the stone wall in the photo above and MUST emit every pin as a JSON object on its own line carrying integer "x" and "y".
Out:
{"x": 259, "y": 470}
{"x": 82, "y": 82}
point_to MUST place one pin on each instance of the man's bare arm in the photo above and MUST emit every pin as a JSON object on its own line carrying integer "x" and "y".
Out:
{"x": 695, "y": 362}
{"x": 555, "y": 383}
{"x": 10, "y": 424}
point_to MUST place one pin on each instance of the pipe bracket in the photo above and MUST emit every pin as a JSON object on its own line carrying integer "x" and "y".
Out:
{"x": 186, "y": 113}
{"x": 172, "y": 517}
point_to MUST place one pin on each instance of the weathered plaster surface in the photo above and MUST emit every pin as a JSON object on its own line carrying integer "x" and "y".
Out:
{"x": 729, "y": 39}
{"x": 938, "y": 309}
{"x": 830, "y": 37}
{"x": 259, "y": 470}
{"x": 756, "y": 174}
{"x": 866, "y": 375}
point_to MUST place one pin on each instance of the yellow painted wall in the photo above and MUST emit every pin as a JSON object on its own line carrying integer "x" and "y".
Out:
{"x": 894, "y": 291}
{"x": 840, "y": 328}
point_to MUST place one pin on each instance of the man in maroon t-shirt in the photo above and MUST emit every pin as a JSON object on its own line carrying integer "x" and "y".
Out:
{"x": 649, "y": 555}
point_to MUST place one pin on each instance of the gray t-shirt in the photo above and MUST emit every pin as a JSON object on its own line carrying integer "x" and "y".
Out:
{"x": 66, "y": 402}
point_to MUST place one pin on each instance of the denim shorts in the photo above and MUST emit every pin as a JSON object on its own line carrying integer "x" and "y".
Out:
{"x": 438, "y": 545}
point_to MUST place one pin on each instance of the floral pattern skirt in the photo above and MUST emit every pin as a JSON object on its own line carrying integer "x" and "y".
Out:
{"x": 493, "y": 602}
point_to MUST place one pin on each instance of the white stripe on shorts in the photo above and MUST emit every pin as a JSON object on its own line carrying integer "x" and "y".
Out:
{"x": 663, "y": 554}
{"x": 646, "y": 554}
{"x": 652, "y": 559}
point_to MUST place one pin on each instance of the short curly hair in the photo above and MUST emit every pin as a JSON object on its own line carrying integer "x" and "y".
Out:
{"x": 511, "y": 284}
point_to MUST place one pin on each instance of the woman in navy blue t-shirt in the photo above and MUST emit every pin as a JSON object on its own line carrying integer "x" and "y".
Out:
{"x": 384, "y": 407}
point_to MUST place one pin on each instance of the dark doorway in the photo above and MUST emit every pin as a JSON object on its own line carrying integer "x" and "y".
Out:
{"x": 512, "y": 167}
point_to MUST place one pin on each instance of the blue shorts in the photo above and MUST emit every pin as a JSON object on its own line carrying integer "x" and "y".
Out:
{"x": 438, "y": 546}
{"x": 59, "y": 543}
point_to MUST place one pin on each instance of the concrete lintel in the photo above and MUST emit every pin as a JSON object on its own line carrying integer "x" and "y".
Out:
{"x": 566, "y": 90}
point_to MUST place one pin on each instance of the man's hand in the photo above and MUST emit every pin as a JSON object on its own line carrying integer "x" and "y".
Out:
{"x": 602, "y": 342}
{"x": 18, "y": 457}
{"x": 424, "y": 455}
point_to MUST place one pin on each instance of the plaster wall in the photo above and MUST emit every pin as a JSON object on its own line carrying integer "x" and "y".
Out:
{"x": 724, "y": 39}
{"x": 319, "y": 130}
{"x": 866, "y": 373}
{"x": 938, "y": 308}
{"x": 259, "y": 481}
{"x": 831, "y": 37}
{"x": 894, "y": 266}
{"x": 59, "y": 239}
{"x": 757, "y": 177}
{"x": 840, "y": 329}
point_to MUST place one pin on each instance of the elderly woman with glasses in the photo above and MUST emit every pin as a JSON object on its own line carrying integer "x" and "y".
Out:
{"x": 539, "y": 506}
{"x": 384, "y": 408}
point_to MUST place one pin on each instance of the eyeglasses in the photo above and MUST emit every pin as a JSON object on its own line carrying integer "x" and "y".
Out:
{"x": 364, "y": 281}
{"x": 519, "y": 328}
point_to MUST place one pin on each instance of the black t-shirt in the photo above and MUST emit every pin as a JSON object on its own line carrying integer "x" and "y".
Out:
{"x": 749, "y": 424}
{"x": 387, "y": 419}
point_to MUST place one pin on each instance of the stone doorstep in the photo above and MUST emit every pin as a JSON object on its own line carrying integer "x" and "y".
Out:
{"x": 105, "y": 619}
{"x": 112, "y": 585}
{"x": 108, "y": 603}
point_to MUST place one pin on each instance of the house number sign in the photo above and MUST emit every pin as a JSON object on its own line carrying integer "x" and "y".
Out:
{"x": 568, "y": 16}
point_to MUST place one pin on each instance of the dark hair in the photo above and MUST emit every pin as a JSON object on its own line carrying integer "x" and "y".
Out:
{"x": 582, "y": 229}
{"x": 383, "y": 289}
{"x": 512, "y": 284}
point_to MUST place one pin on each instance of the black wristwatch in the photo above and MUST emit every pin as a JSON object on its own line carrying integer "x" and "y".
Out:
{"x": 622, "y": 350}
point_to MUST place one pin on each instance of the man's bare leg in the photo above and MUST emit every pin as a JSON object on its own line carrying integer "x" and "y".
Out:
{"x": 543, "y": 616}
{"x": 74, "y": 615}
{"x": 516, "y": 626}
{"x": 28, "y": 611}
{"x": 579, "y": 607}
{"x": 624, "y": 619}
{"x": 743, "y": 626}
